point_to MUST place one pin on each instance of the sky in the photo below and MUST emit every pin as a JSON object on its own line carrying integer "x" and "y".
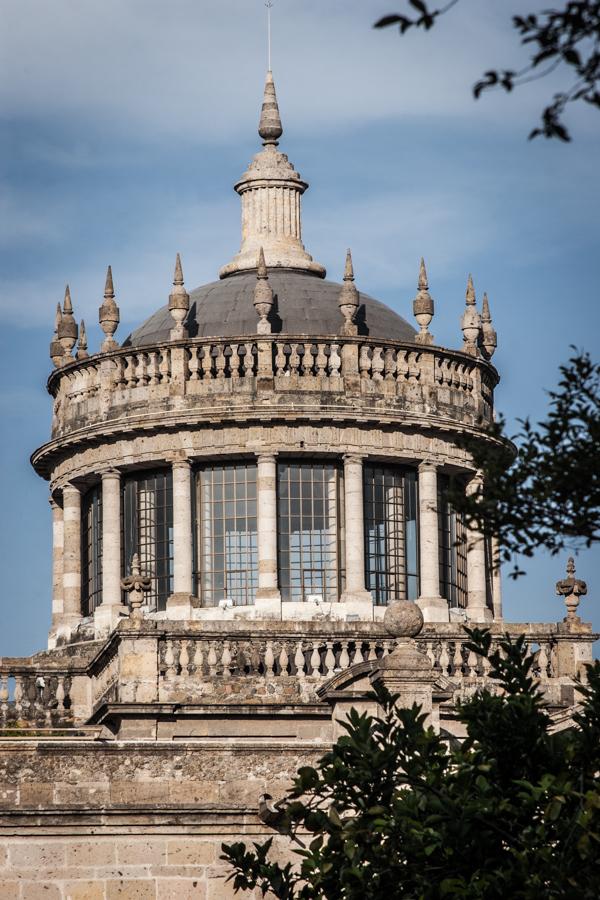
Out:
{"x": 125, "y": 124}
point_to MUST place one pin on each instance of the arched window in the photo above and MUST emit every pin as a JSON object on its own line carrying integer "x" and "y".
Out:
{"x": 226, "y": 541}
{"x": 310, "y": 516}
{"x": 453, "y": 549}
{"x": 91, "y": 550}
{"x": 391, "y": 533}
{"x": 148, "y": 530}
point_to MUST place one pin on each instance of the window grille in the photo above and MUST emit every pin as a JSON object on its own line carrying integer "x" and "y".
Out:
{"x": 452, "y": 548}
{"x": 310, "y": 536}
{"x": 391, "y": 533}
{"x": 226, "y": 545}
{"x": 147, "y": 516}
{"x": 91, "y": 550}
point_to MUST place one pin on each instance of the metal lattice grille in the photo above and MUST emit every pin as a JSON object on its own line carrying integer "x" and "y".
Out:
{"x": 91, "y": 551}
{"x": 148, "y": 530}
{"x": 391, "y": 534}
{"x": 453, "y": 549}
{"x": 309, "y": 510}
{"x": 226, "y": 551}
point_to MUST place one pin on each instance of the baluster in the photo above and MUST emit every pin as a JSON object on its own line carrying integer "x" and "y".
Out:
{"x": 414, "y": 369}
{"x": 485, "y": 665}
{"x": 364, "y": 362}
{"x": 234, "y": 361}
{"x": 141, "y": 371}
{"x": 372, "y": 651}
{"x": 377, "y": 364}
{"x": 152, "y": 369}
{"x": 283, "y": 659}
{"x": 19, "y": 695}
{"x": 220, "y": 361}
{"x": 194, "y": 364}
{"x": 204, "y": 362}
{"x": 119, "y": 372}
{"x": 294, "y": 360}
{"x": 315, "y": 660}
{"x": 299, "y": 659}
{"x": 389, "y": 362}
{"x": 280, "y": 359}
{"x": 551, "y": 659}
{"x": 255, "y": 658}
{"x": 344, "y": 660}
{"x": 199, "y": 658}
{"x": 3, "y": 699}
{"x": 269, "y": 659}
{"x": 335, "y": 360}
{"x": 444, "y": 659}
{"x": 329, "y": 658}
{"x": 164, "y": 366}
{"x": 130, "y": 366}
{"x": 184, "y": 658}
{"x": 226, "y": 659}
{"x": 60, "y": 694}
{"x": 320, "y": 360}
{"x": 543, "y": 662}
{"x": 212, "y": 659}
{"x": 472, "y": 663}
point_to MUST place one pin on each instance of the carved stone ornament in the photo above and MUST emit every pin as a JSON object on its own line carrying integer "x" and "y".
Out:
{"x": 403, "y": 619}
{"x": 571, "y": 589}
{"x": 136, "y": 585}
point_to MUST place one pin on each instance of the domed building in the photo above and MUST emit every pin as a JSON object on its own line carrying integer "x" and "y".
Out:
{"x": 239, "y": 492}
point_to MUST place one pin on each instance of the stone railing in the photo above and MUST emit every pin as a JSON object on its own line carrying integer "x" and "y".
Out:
{"x": 177, "y": 375}
{"x": 230, "y": 661}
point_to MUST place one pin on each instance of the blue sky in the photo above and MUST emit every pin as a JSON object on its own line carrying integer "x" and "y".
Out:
{"x": 125, "y": 125}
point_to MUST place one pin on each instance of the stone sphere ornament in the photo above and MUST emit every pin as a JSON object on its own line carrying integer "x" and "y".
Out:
{"x": 403, "y": 619}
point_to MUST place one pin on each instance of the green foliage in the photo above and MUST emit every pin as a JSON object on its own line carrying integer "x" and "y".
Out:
{"x": 393, "y": 811}
{"x": 569, "y": 36}
{"x": 549, "y": 495}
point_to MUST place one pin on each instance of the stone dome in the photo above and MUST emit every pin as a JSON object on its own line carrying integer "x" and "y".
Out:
{"x": 304, "y": 304}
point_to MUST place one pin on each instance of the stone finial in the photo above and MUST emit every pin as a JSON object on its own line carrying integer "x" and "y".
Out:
{"x": 423, "y": 307}
{"x": 179, "y": 303}
{"x": 269, "y": 127}
{"x": 471, "y": 321}
{"x": 136, "y": 585}
{"x": 348, "y": 300}
{"x": 56, "y": 348}
{"x": 489, "y": 338}
{"x": 108, "y": 315}
{"x": 571, "y": 589}
{"x": 82, "y": 351}
{"x": 263, "y": 295}
{"x": 403, "y": 619}
{"x": 67, "y": 327}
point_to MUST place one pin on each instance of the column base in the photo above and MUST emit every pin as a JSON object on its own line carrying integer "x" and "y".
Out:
{"x": 358, "y": 603}
{"x": 267, "y": 603}
{"x": 180, "y": 606}
{"x": 479, "y": 615}
{"x": 434, "y": 609}
{"x": 107, "y": 617}
{"x": 61, "y": 631}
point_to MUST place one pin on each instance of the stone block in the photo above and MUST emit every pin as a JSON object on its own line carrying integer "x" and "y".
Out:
{"x": 36, "y": 794}
{"x": 8, "y": 796}
{"x": 242, "y": 792}
{"x": 40, "y": 855}
{"x": 138, "y": 793}
{"x": 88, "y": 795}
{"x": 87, "y": 853}
{"x": 143, "y": 851}
{"x": 9, "y": 890}
{"x": 83, "y": 890}
{"x": 187, "y": 793}
{"x": 38, "y": 890}
{"x": 130, "y": 889}
{"x": 190, "y": 852}
{"x": 180, "y": 889}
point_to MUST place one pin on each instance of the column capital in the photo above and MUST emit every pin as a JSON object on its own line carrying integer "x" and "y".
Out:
{"x": 181, "y": 463}
{"x": 54, "y": 504}
{"x": 354, "y": 457}
{"x": 428, "y": 465}
{"x": 109, "y": 473}
{"x": 266, "y": 457}
{"x": 475, "y": 483}
{"x": 70, "y": 488}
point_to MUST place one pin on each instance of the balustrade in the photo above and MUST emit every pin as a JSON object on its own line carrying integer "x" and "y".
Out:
{"x": 34, "y": 698}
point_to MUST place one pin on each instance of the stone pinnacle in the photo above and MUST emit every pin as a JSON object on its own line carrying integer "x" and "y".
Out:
{"x": 109, "y": 290}
{"x": 470, "y": 295}
{"x": 269, "y": 127}
{"x": 422, "y": 284}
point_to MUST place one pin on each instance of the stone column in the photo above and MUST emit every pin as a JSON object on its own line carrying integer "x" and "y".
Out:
{"x": 496, "y": 579}
{"x": 112, "y": 608}
{"x": 433, "y": 606}
{"x": 355, "y": 592}
{"x": 57, "y": 563}
{"x": 71, "y": 555}
{"x": 180, "y": 602}
{"x": 477, "y": 608}
{"x": 268, "y": 596}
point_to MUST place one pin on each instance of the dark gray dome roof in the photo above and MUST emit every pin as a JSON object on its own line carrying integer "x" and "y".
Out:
{"x": 304, "y": 304}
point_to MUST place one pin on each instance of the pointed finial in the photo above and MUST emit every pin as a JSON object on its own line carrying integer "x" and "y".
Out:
{"x": 82, "y": 352}
{"x": 489, "y": 338}
{"x": 571, "y": 589}
{"x": 423, "y": 307}
{"x": 263, "y": 295}
{"x": 67, "y": 327}
{"x": 269, "y": 127}
{"x": 56, "y": 348}
{"x": 108, "y": 314}
{"x": 471, "y": 321}
{"x": 179, "y": 303}
{"x": 348, "y": 299}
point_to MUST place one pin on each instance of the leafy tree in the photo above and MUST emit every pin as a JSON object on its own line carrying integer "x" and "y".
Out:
{"x": 395, "y": 811}
{"x": 548, "y": 495}
{"x": 568, "y": 36}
